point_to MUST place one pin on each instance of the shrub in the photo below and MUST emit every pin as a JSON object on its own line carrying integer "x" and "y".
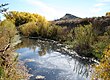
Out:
{"x": 108, "y": 14}
{"x": 32, "y": 29}
{"x": 28, "y": 29}
{"x": 7, "y": 32}
{"x": 108, "y": 30}
{"x": 99, "y": 45}
{"x": 84, "y": 38}
{"x": 102, "y": 70}
{"x": 8, "y": 59}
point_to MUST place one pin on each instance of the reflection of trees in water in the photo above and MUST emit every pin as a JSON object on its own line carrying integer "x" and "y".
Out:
{"x": 81, "y": 69}
{"x": 33, "y": 44}
{"x": 42, "y": 51}
{"x": 78, "y": 66}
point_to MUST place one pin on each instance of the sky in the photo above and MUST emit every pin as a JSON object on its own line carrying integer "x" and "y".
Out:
{"x": 54, "y": 9}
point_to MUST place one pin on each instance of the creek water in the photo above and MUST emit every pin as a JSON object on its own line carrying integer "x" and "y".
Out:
{"x": 42, "y": 59}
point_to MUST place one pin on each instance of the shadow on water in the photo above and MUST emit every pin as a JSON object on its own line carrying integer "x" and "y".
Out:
{"x": 42, "y": 58}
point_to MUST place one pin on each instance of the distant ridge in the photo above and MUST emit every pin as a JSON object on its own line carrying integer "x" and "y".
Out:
{"x": 68, "y": 17}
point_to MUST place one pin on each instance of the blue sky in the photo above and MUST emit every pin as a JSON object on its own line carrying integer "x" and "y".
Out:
{"x": 53, "y": 9}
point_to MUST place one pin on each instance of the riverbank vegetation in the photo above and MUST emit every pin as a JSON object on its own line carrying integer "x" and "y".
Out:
{"x": 9, "y": 67}
{"x": 87, "y": 40}
{"x": 102, "y": 70}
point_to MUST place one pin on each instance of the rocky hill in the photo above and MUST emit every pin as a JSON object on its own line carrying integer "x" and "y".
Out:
{"x": 73, "y": 21}
{"x": 68, "y": 17}
{"x": 70, "y": 20}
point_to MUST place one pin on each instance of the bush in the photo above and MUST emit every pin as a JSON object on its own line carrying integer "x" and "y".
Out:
{"x": 84, "y": 38}
{"x": 102, "y": 70}
{"x": 44, "y": 30}
{"x": 108, "y": 30}
{"x": 108, "y": 14}
{"x": 7, "y": 32}
{"x": 99, "y": 45}
{"x": 28, "y": 29}
{"x": 32, "y": 29}
{"x": 8, "y": 59}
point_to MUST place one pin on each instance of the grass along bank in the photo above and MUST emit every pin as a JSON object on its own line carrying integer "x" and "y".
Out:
{"x": 9, "y": 67}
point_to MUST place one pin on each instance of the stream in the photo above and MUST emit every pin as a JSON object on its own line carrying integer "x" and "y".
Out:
{"x": 43, "y": 59}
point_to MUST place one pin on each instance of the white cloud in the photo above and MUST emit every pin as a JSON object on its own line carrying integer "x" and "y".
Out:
{"x": 96, "y": 10}
{"x": 47, "y": 11}
{"x": 99, "y": 4}
{"x": 104, "y": 1}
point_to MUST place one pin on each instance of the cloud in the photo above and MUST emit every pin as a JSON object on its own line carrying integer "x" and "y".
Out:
{"x": 99, "y": 4}
{"x": 96, "y": 10}
{"x": 104, "y": 1}
{"x": 47, "y": 11}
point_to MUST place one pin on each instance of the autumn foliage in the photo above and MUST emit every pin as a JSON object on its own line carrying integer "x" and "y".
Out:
{"x": 102, "y": 71}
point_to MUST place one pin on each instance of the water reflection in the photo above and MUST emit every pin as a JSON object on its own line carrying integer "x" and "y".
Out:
{"x": 42, "y": 58}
